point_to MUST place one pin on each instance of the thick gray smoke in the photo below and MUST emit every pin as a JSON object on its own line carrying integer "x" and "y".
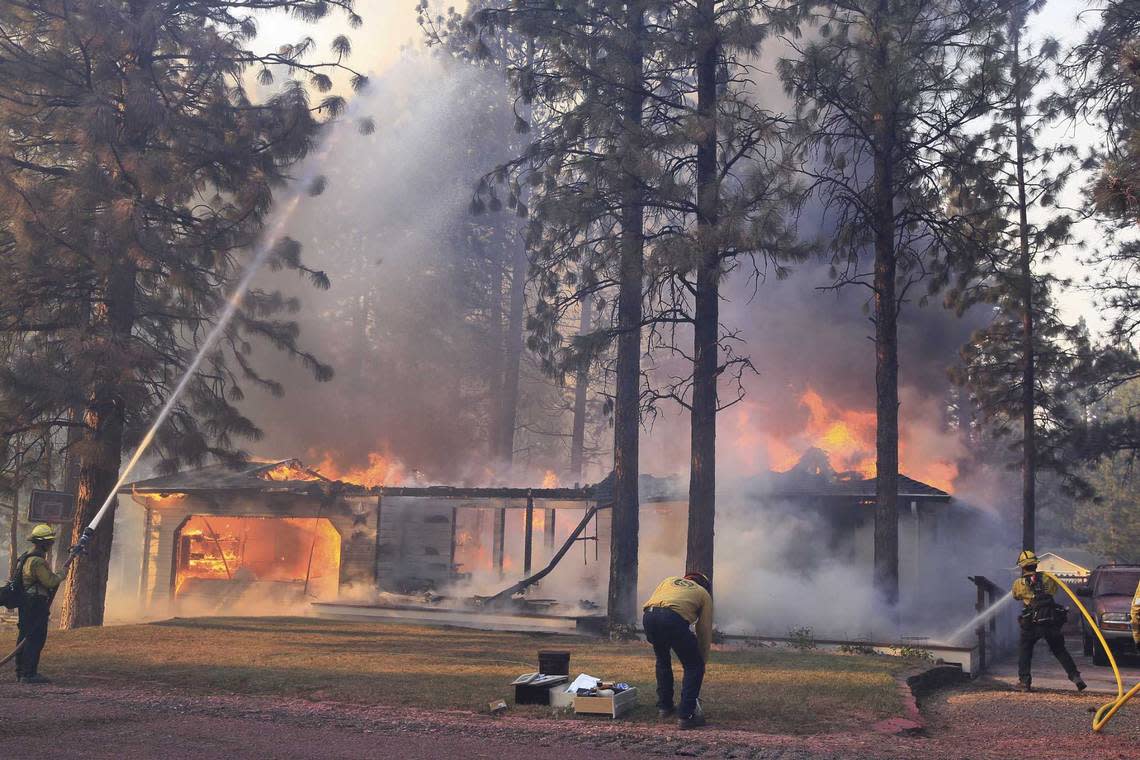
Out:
{"x": 401, "y": 326}
{"x": 400, "y": 322}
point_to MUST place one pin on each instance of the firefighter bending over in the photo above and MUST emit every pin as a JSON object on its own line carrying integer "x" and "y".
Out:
{"x": 40, "y": 584}
{"x": 677, "y": 604}
{"x": 1042, "y": 618}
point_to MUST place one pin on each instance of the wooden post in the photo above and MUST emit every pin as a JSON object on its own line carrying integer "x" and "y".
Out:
{"x": 376, "y": 549}
{"x": 548, "y": 529}
{"x": 144, "y": 576}
{"x": 451, "y": 553}
{"x": 528, "y": 548}
{"x": 498, "y": 536}
{"x": 980, "y": 606}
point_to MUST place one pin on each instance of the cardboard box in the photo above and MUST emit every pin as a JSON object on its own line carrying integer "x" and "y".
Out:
{"x": 615, "y": 707}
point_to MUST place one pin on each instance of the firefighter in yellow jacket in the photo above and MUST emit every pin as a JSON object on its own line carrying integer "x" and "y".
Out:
{"x": 40, "y": 584}
{"x": 1041, "y": 618}
{"x": 675, "y": 605}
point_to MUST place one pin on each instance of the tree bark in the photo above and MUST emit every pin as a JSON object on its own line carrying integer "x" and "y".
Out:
{"x": 85, "y": 590}
{"x": 1028, "y": 358}
{"x": 14, "y": 532}
{"x": 886, "y": 572}
{"x": 508, "y": 415}
{"x": 706, "y": 326}
{"x": 498, "y": 357}
{"x": 622, "y": 603}
{"x": 581, "y": 390}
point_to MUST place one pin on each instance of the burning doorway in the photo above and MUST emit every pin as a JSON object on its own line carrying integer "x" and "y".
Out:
{"x": 219, "y": 559}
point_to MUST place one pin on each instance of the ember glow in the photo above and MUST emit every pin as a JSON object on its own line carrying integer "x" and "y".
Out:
{"x": 300, "y": 555}
{"x": 291, "y": 470}
{"x": 381, "y": 470}
{"x": 848, "y": 438}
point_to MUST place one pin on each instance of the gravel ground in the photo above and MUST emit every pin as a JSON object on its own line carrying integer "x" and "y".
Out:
{"x": 980, "y": 722}
{"x": 988, "y": 720}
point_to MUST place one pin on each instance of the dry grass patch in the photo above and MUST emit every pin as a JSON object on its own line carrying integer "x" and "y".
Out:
{"x": 407, "y": 665}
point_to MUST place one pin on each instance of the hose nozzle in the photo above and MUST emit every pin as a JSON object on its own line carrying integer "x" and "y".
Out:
{"x": 84, "y": 539}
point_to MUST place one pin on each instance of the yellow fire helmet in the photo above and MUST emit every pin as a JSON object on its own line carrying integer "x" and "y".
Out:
{"x": 43, "y": 532}
{"x": 1026, "y": 558}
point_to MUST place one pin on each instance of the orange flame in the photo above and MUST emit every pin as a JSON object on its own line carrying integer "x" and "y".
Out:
{"x": 287, "y": 471}
{"x": 847, "y": 436}
{"x": 550, "y": 479}
{"x": 381, "y": 470}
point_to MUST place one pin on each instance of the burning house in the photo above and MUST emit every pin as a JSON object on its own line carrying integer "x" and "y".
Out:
{"x": 217, "y": 537}
{"x": 279, "y": 533}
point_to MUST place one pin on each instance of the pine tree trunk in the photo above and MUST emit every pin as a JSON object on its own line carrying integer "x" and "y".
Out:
{"x": 1028, "y": 359}
{"x": 498, "y": 358}
{"x": 886, "y": 573}
{"x": 581, "y": 390}
{"x": 71, "y": 466}
{"x": 85, "y": 590}
{"x": 622, "y": 604}
{"x": 14, "y": 530}
{"x": 509, "y": 412}
{"x": 706, "y": 326}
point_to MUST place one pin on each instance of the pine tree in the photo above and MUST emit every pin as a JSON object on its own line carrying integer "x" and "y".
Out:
{"x": 138, "y": 169}
{"x": 1018, "y": 366}
{"x": 886, "y": 90}
{"x": 589, "y": 167}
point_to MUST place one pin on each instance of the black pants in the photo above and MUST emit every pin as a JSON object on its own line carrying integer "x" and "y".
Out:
{"x": 1030, "y": 633}
{"x": 668, "y": 632}
{"x": 33, "y": 626}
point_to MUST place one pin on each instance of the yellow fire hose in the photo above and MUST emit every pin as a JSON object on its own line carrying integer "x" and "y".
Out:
{"x": 1108, "y": 709}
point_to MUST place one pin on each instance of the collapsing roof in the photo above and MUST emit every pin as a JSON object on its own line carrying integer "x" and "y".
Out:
{"x": 291, "y": 476}
{"x": 813, "y": 476}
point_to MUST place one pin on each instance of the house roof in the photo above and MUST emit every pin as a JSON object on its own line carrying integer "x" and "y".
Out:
{"x": 255, "y": 476}
{"x": 813, "y": 476}
{"x": 293, "y": 477}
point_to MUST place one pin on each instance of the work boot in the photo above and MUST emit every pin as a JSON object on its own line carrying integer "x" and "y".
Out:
{"x": 35, "y": 678}
{"x": 665, "y": 713}
{"x": 1024, "y": 686}
{"x": 1078, "y": 681}
{"x": 693, "y": 721}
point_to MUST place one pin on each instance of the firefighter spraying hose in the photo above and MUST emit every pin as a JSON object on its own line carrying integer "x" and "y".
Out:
{"x": 224, "y": 318}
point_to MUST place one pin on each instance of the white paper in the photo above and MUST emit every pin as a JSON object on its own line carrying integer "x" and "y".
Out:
{"x": 583, "y": 681}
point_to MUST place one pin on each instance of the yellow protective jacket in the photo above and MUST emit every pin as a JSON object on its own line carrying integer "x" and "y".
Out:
{"x": 1022, "y": 591}
{"x": 1136, "y": 616}
{"x": 691, "y": 602}
{"x": 38, "y": 577}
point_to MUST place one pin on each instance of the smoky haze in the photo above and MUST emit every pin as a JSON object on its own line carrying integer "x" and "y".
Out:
{"x": 401, "y": 325}
{"x": 399, "y": 322}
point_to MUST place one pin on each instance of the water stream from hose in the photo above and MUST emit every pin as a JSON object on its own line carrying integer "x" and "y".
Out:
{"x": 969, "y": 626}
{"x": 261, "y": 253}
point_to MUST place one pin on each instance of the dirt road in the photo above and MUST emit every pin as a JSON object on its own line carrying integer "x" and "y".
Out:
{"x": 94, "y": 723}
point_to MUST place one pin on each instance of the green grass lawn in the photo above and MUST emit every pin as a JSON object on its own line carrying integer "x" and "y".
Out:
{"x": 393, "y": 664}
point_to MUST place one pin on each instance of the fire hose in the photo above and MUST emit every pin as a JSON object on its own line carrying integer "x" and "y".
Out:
{"x": 1104, "y": 714}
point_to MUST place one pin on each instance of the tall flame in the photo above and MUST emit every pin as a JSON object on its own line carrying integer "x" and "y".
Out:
{"x": 381, "y": 470}
{"x": 848, "y": 438}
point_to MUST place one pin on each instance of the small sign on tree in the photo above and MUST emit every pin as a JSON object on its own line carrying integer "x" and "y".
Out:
{"x": 51, "y": 507}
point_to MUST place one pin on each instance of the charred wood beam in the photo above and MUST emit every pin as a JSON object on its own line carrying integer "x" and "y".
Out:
{"x": 505, "y": 595}
{"x": 528, "y": 548}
